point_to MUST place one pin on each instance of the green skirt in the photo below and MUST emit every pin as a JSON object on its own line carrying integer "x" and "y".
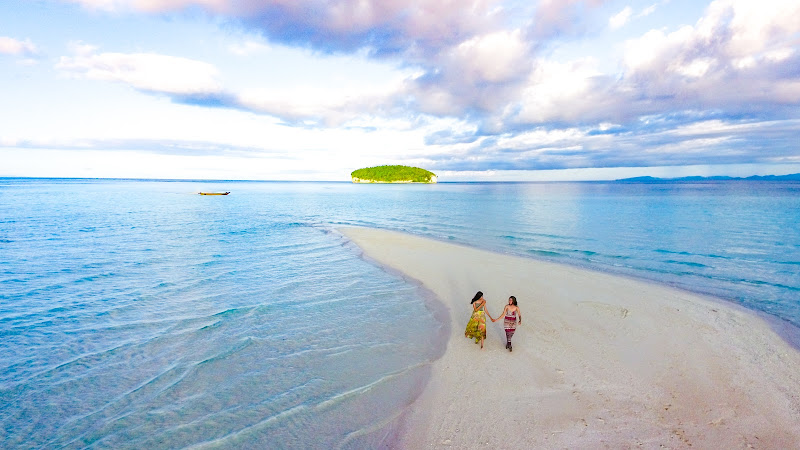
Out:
{"x": 476, "y": 327}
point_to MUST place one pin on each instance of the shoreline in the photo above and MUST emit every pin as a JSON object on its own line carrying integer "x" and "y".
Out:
{"x": 600, "y": 360}
{"x": 785, "y": 328}
{"x": 389, "y": 434}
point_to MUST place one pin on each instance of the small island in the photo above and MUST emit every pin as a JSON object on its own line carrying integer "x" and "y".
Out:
{"x": 393, "y": 174}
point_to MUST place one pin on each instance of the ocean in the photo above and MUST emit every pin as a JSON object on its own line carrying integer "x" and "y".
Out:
{"x": 136, "y": 313}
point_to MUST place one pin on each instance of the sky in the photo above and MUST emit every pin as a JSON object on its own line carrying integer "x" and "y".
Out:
{"x": 469, "y": 89}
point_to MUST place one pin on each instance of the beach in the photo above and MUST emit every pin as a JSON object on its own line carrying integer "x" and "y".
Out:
{"x": 600, "y": 361}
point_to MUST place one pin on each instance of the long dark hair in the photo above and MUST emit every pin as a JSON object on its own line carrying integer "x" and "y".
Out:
{"x": 477, "y": 296}
{"x": 513, "y": 300}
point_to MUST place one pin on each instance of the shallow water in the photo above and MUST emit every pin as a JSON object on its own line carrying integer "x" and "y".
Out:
{"x": 136, "y": 313}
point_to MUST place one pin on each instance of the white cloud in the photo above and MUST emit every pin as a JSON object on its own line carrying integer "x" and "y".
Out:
{"x": 248, "y": 48}
{"x": 555, "y": 17}
{"x": 494, "y": 57}
{"x": 390, "y": 24}
{"x": 315, "y": 105}
{"x": 507, "y": 102}
{"x": 342, "y": 92}
{"x": 147, "y": 5}
{"x": 145, "y": 71}
{"x": 6, "y": 141}
{"x": 711, "y": 127}
{"x": 82, "y": 48}
{"x": 779, "y": 55}
{"x": 748, "y": 62}
{"x": 542, "y": 137}
{"x": 738, "y": 31}
{"x": 753, "y": 26}
{"x": 695, "y": 68}
{"x": 655, "y": 47}
{"x": 11, "y": 46}
{"x": 734, "y": 58}
{"x": 560, "y": 91}
{"x": 649, "y": 10}
{"x": 620, "y": 19}
{"x": 436, "y": 99}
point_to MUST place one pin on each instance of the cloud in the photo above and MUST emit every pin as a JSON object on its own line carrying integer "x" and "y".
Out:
{"x": 649, "y": 10}
{"x": 739, "y": 57}
{"x": 562, "y": 92}
{"x": 454, "y": 145}
{"x": 715, "y": 65}
{"x": 181, "y": 147}
{"x": 106, "y": 5}
{"x": 312, "y": 106}
{"x": 15, "y": 47}
{"x": 669, "y": 143}
{"x": 385, "y": 26}
{"x": 145, "y": 71}
{"x": 457, "y": 45}
{"x": 494, "y": 58}
{"x": 717, "y": 89}
{"x": 248, "y": 48}
{"x": 476, "y": 78}
{"x": 193, "y": 82}
{"x": 473, "y": 64}
{"x": 470, "y": 62}
{"x": 561, "y": 17}
{"x": 620, "y": 19}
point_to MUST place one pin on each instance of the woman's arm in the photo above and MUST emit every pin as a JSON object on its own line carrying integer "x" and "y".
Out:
{"x": 519, "y": 315}
{"x": 485, "y": 309}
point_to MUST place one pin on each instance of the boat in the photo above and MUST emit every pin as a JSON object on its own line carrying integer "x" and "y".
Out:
{"x": 213, "y": 193}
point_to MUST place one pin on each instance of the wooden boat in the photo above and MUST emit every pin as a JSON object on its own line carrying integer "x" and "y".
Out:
{"x": 213, "y": 193}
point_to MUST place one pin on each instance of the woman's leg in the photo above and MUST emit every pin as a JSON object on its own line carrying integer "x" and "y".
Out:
{"x": 482, "y": 328}
{"x": 509, "y": 335}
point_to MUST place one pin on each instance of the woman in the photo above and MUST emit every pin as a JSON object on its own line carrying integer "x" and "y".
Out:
{"x": 511, "y": 313}
{"x": 476, "y": 327}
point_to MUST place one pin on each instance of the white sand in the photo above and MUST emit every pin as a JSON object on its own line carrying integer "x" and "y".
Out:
{"x": 600, "y": 361}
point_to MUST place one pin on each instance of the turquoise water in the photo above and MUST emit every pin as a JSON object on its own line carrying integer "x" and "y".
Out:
{"x": 136, "y": 313}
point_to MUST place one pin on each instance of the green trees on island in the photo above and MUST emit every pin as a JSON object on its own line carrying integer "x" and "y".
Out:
{"x": 393, "y": 174}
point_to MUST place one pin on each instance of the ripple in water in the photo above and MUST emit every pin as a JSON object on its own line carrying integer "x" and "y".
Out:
{"x": 229, "y": 331}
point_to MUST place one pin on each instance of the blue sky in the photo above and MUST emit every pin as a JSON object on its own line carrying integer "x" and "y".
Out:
{"x": 472, "y": 90}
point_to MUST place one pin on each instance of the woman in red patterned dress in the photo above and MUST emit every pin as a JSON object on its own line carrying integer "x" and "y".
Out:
{"x": 510, "y": 315}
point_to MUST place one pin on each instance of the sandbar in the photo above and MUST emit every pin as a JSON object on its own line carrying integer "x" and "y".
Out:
{"x": 600, "y": 361}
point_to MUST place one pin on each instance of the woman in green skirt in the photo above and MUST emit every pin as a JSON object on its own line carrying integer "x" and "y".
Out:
{"x": 476, "y": 327}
